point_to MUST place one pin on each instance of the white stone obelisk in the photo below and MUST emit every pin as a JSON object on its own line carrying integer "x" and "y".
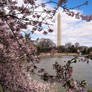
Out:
{"x": 59, "y": 29}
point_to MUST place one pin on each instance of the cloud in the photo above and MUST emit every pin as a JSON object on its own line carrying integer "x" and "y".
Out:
{"x": 78, "y": 31}
{"x": 73, "y": 30}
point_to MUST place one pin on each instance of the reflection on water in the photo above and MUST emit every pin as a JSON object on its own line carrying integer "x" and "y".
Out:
{"x": 82, "y": 71}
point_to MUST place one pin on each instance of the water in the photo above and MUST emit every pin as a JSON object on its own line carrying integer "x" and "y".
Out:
{"x": 82, "y": 70}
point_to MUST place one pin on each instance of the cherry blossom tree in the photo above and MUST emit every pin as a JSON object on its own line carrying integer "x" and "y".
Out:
{"x": 18, "y": 55}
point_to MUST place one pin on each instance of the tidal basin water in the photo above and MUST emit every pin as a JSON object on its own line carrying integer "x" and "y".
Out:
{"x": 81, "y": 70}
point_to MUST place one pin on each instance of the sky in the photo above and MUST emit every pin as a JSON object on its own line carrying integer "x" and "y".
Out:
{"x": 73, "y": 30}
{"x": 86, "y": 9}
{"x": 72, "y": 3}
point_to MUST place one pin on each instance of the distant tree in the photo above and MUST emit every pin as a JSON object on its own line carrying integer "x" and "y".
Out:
{"x": 61, "y": 49}
{"x": 90, "y": 49}
{"x": 67, "y": 45}
{"x": 72, "y": 49}
{"x": 85, "y": 51}
{"x": 44, "y": 45}
{"x": 77, "y": 45}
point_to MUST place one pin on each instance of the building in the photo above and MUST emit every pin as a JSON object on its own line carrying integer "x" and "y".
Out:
{"x": 59, "y": 29}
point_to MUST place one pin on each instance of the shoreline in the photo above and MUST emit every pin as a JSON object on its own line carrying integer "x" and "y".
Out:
{"x": 57, "y": 54}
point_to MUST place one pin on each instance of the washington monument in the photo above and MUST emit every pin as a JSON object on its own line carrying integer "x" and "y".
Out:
{"x": 59, "y": 29}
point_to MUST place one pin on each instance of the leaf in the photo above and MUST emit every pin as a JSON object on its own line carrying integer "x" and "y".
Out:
{"x": 40, "y": 24}
{"x": 32, "y": 71}
{"x": 38, "y": 16}
{"x": 50, "y": 30}
{"x": 43, "y": 5}
{"x": 45, "y": 77}
{"x": 31, "y": 1}
{"x": 32, "y": 32}
{"x": 34, "y": 29}
{"x": 27, "y": 35}
{"x": 45, "y": 33}
{"x": 40, "y": 29}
